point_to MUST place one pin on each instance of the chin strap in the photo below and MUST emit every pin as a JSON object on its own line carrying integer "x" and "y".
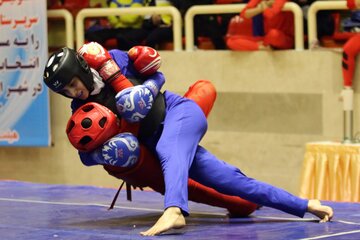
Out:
{"x": 98, "y": 82}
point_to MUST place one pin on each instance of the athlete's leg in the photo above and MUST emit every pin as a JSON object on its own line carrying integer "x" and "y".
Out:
{"x": 278, "y": 39}
{"x": 230, "y": 180}
{"x": 350, "y": 50}
{"x": 244, "y": 43}
{"x": 184, "y": 126}
{"x": 236, "y": 206}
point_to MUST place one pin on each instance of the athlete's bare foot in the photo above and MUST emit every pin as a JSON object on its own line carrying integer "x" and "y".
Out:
{"x": 325, "y": 213}
{"x": 172, "y": 218}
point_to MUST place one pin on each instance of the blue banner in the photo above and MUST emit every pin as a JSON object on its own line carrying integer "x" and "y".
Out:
{"x": 24, "y": 99}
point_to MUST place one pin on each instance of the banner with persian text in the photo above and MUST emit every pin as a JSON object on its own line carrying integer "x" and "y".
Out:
{"x": 24, "y": 101}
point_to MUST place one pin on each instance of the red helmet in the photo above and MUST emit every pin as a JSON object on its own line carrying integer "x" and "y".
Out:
{"x": 90, "y": 126}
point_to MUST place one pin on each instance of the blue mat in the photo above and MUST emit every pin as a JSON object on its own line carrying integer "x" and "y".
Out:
{"x": 40, "y": 211}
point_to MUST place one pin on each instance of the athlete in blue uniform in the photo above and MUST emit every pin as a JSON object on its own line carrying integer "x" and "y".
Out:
{"x": 176, "y": 143}
{"x": 177, "y": 146}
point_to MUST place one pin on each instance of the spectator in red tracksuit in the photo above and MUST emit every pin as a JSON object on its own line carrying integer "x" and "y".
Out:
{"x": 278, "y": 27}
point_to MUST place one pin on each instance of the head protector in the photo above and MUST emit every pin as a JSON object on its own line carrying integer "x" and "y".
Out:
{"x": 63, "y": 66}
{"x": 90, "y": 126}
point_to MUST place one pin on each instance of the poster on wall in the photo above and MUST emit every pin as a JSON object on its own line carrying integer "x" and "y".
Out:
{"x": 24, "y": 101}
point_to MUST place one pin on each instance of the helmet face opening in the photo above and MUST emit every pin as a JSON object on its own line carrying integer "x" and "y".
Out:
{"x": 63, "y": 66}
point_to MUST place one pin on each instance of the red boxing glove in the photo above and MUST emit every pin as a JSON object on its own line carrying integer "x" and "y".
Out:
{"x": 146, "y": 59}
{"x": 100, "y": 59}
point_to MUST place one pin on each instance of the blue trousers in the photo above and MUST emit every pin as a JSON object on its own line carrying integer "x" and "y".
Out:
{"x": 181, "y": 157}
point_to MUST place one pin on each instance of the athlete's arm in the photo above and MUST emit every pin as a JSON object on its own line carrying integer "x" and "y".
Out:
{"x": 122, "y": 150}
{"x": 134, "y": 103}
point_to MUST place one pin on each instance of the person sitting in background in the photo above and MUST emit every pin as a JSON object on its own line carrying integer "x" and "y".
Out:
{"x": 72, "y": 6}
{"x": 353, "y": 4}
{"x": 159, "y": 26}
{"x": 278, "y": 27}
{"x": 126, "y": 29}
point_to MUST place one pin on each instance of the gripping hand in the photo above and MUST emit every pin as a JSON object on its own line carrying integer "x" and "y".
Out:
{"x": 146, "y": 59}
{"x": 122, "y": 150}
{"x": 135, "y": 103}
{"x": 100, "y": 59}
